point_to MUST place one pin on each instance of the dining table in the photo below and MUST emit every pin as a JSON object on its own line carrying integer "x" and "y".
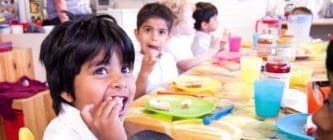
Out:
{"x": 241, "y": 123}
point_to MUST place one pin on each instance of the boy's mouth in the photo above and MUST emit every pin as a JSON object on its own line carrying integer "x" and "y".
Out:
{"x": 154, "y": 47}
{"x": 122, "y": 101}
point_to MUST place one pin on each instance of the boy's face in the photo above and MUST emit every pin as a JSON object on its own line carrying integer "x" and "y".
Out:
{"x": 96, "y": 82}
{"x": 152, "y": 35}
{"x": 213, "y": 23}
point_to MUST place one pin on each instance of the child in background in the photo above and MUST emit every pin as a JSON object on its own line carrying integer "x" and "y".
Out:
{"x": 206, "y": 22}
{"x": 153, "y": 67}
{"x": 301, "y": 11}
{"x": 182, "y": 33}
{"x": 323, "y": 118}
{"x": 89, "y": 72}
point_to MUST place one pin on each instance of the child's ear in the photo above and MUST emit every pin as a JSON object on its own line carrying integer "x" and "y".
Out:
{"x": 136, "y": 32}
{"x": 67, "y": 97}
{"x": 204, "y": 25}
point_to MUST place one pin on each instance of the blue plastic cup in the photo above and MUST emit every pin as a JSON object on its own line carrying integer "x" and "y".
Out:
{"x": 267, "y": 97}
{"x": 255, "y": 38}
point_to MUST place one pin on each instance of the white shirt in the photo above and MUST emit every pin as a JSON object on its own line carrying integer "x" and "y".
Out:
{"x": 201, "y": 42}
{"x": 165, "y": 69}
{"x": 179, "y": 47}
{"x": 68, "y": 125}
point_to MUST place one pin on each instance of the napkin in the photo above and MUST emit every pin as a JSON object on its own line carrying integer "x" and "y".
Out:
{"x": 295, "y": 99}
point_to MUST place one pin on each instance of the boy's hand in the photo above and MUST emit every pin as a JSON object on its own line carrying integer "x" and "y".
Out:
{"x": 215, "y": 43}
{"x": 103, "y": 120}
{"x": 149, "y": 61}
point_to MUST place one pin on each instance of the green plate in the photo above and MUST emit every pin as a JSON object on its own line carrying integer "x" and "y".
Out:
{"x": 198, "y": 108}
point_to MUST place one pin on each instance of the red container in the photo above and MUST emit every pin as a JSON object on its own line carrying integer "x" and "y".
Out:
{"x": 12, "y": 126}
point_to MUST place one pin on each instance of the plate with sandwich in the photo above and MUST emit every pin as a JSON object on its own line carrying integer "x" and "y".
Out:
{"x": 180, "y": 106}
{"x": 196, "y": 84}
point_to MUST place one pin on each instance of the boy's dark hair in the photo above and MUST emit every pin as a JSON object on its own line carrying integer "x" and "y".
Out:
{"x": 153, "y": 10}
{"x": 303, "y": 10}
{"x": 203, "y": 12}
{"x": 329, "y": 59}
{"x": 73, "y": 43}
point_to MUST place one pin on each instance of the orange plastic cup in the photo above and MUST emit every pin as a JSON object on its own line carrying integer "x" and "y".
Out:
{"x": 317, "y": 92}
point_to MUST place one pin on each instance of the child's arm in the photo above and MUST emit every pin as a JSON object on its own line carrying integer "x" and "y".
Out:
{"x": 187, "y": 64}
{"x": 61, "y": 5}
{"x": 147, "y": 66}
{"x": 103, "y": 120}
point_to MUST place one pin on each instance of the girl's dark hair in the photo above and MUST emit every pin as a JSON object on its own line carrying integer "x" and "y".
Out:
{"x": 73, "y": 43}
{"x": 203, "y": 12}
{"x": 329, "y": 59}
{"x": 153, "y": 10}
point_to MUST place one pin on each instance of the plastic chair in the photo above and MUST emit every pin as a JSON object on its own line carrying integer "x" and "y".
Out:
{"x": 26, "y": 134}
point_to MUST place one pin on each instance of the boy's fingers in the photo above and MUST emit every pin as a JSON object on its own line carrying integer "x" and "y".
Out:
{"x": 99, "y": 109}
{"x": 86, "y": 114}
{"x": 108, "y": 108}
{"x": 115, "y": 110}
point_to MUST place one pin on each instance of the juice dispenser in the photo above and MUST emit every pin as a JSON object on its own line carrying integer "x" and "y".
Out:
{"x": 268, "y": 25}
{"x": 299, "y": 26}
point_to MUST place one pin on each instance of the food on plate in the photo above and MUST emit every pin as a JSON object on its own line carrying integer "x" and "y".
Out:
{"x": 189, "y": 83}
{"x": 302, "y": 51}
{"x": 310, "y": 127}
{"x": 186, "y": 104}
{"x": 159, "y": 104}
{"x": 266, "y": 39}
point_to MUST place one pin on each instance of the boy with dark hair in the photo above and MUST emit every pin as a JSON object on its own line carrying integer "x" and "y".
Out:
{"x": 153, "y": 66}
{"x": 89, "y": 66}
{"x": 205, "y": 16}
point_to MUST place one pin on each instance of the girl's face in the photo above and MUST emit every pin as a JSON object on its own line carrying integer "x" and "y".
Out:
{"x": 96, "y": 82}
{"x": 153, "y": 35}
{"x": 213, "y": 23}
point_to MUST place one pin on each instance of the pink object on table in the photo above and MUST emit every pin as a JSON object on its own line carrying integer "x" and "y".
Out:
{"x": 234, "y": 43}
{"x": 228, "y": 56}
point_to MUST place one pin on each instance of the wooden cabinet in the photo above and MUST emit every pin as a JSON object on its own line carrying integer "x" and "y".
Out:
{"x": 15, "y": 64}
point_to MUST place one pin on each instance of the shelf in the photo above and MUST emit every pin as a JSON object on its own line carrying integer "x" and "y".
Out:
{"x": 323, "y": 21}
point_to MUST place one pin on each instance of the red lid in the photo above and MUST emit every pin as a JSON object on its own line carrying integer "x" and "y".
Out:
{"x": 270, "y": 21}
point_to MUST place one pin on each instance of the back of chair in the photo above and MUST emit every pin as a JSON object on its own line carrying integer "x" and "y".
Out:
{"x": 25, "y": 134}
{"x": 37, "y": 112}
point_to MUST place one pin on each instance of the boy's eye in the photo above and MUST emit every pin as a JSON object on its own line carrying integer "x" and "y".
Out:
{"x": 101, "y": 70}
{"x": 125, "y": 69}
{"x": 147, "y": 30}
{"x": 162, "y": 32}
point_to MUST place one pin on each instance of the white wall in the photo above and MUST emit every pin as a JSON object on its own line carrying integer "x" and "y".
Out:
{"x": 33, "y": 41}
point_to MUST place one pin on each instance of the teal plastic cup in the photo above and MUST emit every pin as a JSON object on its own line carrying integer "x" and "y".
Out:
{"x": 267, "y": 97}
